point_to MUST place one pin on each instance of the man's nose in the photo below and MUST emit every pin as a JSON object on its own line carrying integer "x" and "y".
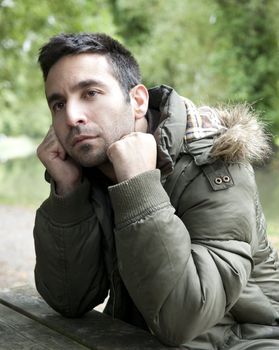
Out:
{"x": 75, "y": 115}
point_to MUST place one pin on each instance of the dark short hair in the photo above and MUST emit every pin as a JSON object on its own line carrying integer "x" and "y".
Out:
{"x": 123, "y": 64}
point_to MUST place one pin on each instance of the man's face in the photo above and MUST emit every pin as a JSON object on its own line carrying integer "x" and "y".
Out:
{"x": 89, "y": 110}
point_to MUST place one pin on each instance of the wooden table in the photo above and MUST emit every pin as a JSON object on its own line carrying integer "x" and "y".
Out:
{"x": 28, "y": 323}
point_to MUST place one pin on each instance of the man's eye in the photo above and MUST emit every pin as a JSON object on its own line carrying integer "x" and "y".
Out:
{"x": 91, "y": 93}
{"x": 58, "y": 106}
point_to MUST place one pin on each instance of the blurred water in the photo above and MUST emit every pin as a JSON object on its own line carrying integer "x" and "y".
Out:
{"x": 22, "y": 182}
{"x": 268, "y": 184}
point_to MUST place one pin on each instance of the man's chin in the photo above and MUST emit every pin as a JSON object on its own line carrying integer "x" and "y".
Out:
{"x": 91, "y": 161}
{"x": 88, "y": 156}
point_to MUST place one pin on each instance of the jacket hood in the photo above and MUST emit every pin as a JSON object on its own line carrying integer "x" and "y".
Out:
{"x": 233, "y": 133}
{"x": 166, "y": 117}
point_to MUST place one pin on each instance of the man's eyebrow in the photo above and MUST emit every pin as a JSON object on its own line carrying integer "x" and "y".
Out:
{"x": 88, "y": 82}
{"x": 54, "y": 97}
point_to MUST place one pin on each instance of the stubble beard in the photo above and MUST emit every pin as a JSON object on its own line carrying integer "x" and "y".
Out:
{"x": 88, "y": 156}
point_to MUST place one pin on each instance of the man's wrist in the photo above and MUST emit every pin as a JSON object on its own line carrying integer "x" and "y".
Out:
{"x": 73, "y": 207}
{"x": 64, "y": 189}
{"x": 137, "y": 197}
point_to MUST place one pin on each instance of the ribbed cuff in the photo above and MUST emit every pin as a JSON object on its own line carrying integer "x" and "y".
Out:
{"x": 137, "y": 197}
{"x": 71, "y": 208}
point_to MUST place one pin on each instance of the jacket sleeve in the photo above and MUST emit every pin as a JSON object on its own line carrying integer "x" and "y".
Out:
{"x": 184, "y": 273}
{"x": 70, "y": 273}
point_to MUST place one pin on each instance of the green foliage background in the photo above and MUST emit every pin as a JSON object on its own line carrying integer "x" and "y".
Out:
{"x": 211, "y": 51}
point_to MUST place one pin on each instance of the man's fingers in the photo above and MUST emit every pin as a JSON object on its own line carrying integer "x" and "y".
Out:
{"x": 51, "y": 146}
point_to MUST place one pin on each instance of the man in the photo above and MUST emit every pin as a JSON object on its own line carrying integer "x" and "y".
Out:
{"x": 153, "y": 200}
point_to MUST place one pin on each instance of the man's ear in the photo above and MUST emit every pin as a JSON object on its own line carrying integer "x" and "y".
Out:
{"x": 139, "y": 100}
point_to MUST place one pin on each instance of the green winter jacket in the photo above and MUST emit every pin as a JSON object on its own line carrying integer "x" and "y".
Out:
{"x": 182, "y": 249}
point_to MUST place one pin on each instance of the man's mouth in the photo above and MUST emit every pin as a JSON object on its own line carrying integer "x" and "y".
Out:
{"x": 81, "y": 138}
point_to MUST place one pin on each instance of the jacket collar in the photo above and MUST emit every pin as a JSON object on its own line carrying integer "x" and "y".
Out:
{"x": 167, "y": 122}
{"x": 179, "y": 127}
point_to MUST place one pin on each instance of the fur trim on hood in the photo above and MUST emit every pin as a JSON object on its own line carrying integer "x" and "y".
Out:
{"x": 244, "y": 137}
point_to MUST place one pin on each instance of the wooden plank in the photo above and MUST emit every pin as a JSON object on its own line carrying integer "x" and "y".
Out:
{"x": 18, "y": 332}
{"x": 95, "y": 330}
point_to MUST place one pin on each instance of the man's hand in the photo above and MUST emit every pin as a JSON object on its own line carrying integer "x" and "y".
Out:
{"x": 133, "y": 155}
{"x": 64, "y": 171}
